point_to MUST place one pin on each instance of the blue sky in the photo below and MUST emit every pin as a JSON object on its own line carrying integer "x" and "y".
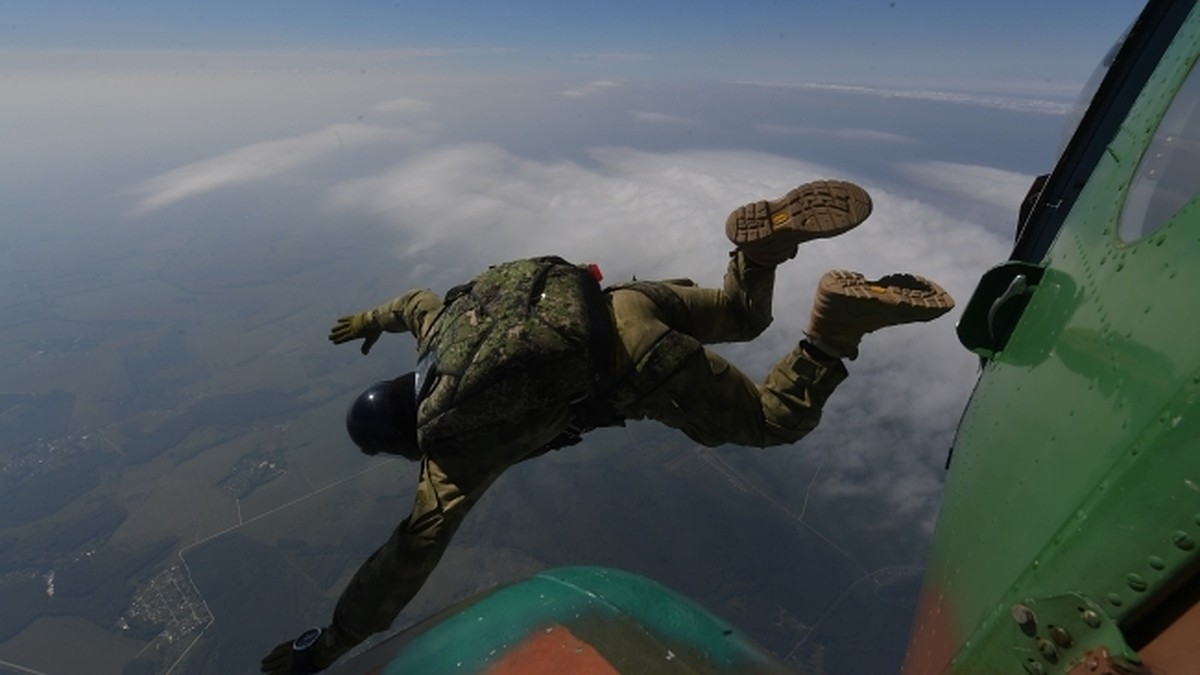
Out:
{"x": 971, "y": 45}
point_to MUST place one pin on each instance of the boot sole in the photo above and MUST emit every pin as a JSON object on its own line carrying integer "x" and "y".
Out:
{"x": 814, "y": 210}
{"x": 902, "y": 298}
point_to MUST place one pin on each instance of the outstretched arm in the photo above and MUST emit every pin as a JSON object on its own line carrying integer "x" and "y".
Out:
{"x": 389, "y": 579}
{"x": 412, "y": 311}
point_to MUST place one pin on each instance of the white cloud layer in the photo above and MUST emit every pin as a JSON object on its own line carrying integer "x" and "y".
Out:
{"x": 462, "y": 207}
{"x": 995, "y": 187}
{"x": 1010, "y": 103}
{"x": 259, "y": 161}
{"x": 402, "y": 106}
{"x": 642, "y": 211}
{"x": 648, "y": 117}
{"x": 845, "y": 134}
{"x": 647, "y": 210}
{"x": 612, "y": 58}
{"x": 591, "y": 89}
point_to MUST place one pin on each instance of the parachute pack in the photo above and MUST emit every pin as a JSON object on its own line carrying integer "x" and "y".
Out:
{"x": 515, "y": 340}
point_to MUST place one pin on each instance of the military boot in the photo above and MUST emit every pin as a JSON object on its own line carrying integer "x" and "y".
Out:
{"x": 769, "y": 232}
{"x": 849, "y": 306}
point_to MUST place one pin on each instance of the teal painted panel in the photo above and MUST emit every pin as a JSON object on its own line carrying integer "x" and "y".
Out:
{"x": 633, "y": 622}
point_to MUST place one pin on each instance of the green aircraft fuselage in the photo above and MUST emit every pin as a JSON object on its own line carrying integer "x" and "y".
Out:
{"x": 1071, "y": 511}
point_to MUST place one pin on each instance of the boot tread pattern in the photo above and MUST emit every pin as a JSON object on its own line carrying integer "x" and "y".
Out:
{"x": 812, "y": 211}
{"x": 907, "y": 297}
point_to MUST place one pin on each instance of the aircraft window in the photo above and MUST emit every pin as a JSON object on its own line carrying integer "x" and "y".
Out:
{"x": 1168, "y": 176}
{"x": 1089, "y": 91}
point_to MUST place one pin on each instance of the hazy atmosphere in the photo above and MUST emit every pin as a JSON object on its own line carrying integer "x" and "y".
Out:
{"x": 189, "y": 198}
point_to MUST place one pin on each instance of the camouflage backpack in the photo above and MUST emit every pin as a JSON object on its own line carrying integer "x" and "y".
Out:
{"x": 511, "y": 342}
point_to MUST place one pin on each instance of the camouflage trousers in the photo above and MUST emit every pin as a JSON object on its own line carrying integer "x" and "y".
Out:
{"x": 708, "y": 398}
{"x": 705, "y": 397}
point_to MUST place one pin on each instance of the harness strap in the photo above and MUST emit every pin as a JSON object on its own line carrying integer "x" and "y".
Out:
{"x": 595, "y": 409}
{"x": 601, "y": 334}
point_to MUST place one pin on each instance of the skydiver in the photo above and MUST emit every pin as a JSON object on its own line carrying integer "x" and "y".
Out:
{"x": 532, "y": 354}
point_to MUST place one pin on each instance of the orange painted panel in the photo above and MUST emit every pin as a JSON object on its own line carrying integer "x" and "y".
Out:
{"x": 553, "y": 651}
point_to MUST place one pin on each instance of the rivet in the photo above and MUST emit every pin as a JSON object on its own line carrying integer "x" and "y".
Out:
{"x": 1182, "y": 540}
{"x": 1060, "y": 636}
{"x": 1047, "y": 650}
{"x": 1115, "y": 600}
{"x": 1091, "y": 618}
{"x": 1023, "y": 615}
{"x": 1156, "y": 563}
{"x": 1034, "y": 668}
{"x": 1136, "y": 582}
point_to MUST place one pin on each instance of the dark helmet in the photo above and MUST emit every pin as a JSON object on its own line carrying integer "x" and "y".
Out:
{"x": 384, "y": 418}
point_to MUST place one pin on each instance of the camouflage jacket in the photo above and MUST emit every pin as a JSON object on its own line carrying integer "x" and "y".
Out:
{"x": 523, "y": 353}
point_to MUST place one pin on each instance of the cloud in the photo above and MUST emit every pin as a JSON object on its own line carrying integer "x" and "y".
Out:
{"x": 612, "y": 58}
{"x": 996, "y": 187}
{"x": 480, "y": 202}
{"x": 865, "y": 135}
{"x": 182, "y": 61}
{"x": 1009, "y": 103}
{"x": 662, "y": 118}
{"x": 591, "y": 89}
{"x": 402, "y": 106}
{"x": 257, "y": 162}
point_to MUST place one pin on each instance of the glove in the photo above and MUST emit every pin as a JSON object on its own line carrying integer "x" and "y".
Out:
{"x": 353, "y": 327}
{"x": 279, "y": 661}
{"x": 287, "y": 659}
